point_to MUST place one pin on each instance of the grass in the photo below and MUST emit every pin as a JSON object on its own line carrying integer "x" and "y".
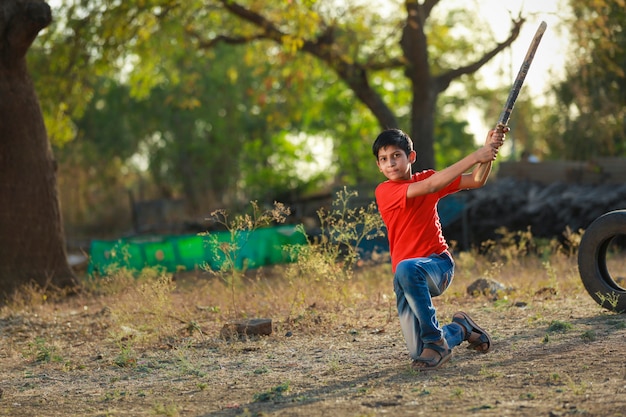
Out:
{"x": 325, "y": 285}
{"x": 327, "y": 276}
{"x": 154, "y": 307}
{"x": 156, "y": 325}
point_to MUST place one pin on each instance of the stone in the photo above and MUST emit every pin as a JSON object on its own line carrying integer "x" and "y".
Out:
{"x": 250, "y": 327}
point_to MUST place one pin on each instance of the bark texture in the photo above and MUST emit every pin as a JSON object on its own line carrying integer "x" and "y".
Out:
{"x": 32, "y": 242}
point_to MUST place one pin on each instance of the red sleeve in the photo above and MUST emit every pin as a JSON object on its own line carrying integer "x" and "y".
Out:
{"x": 391, "y": 195}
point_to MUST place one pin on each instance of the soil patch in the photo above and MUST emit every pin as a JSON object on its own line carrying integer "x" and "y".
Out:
{"x": 554, "y": 355}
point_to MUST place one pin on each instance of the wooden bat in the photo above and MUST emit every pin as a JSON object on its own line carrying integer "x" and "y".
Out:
{"x": 481, "y": 171}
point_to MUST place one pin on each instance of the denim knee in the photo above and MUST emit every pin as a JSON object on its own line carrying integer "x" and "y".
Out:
{"x": 407, "y": 272}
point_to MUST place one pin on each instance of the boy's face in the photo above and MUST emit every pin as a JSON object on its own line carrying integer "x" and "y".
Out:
{"x": 394, "y": 163}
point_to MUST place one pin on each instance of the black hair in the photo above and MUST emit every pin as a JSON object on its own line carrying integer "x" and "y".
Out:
{"x": 393, "y": 137}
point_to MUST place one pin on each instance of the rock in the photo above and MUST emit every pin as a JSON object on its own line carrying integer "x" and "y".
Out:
{"x": 252, "y": 327}
{"x": 485, "y": 286}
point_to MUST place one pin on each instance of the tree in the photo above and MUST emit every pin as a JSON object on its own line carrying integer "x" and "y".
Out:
{"x": 334, "y": 43}
{"x": 370, "y": 61}
{"x": 591, "y": 117}
{"x": 196, "y": 114}
{"x": 223, "y": 129}
{"x": 356, "y": 43}
{"x": 31, "y": 230}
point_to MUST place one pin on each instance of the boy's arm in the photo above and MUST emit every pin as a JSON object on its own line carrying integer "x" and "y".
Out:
{"x": 443, "y": 178}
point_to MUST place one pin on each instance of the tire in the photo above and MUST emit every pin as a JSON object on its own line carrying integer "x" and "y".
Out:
{"x": 592, "y": 260}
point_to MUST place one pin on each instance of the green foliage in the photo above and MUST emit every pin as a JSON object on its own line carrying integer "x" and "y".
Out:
{"x": 453, "y": 142}
{"x": 346, "y": 226}
{"x": 195, "y": 101}
{"x": 127, "y": 357}
{"x": 170, "y": 410}
{"x": 511, "y": 244}
{"x": 275, "y": 394}
{"x": 41, "y": 351}
{"x": 589, "y": 336}
{"x": 611, "y": 299}
{"x": 591, "y": 116}
{"x": 559, "y": 326}
{"x": 191, "y": 145}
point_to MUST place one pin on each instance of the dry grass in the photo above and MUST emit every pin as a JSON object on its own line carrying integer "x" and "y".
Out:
{"x": 151, "y": 345}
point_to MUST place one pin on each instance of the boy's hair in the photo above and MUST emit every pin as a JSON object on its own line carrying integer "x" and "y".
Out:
{"x": 393, "y": 137}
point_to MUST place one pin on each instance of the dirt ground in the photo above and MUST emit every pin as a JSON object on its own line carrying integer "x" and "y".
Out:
{"x": 553, "y": 355}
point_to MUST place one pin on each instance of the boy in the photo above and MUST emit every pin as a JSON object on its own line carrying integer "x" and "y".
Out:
{"x": 422, "y": 266}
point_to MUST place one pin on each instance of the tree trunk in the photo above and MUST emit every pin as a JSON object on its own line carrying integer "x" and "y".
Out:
{"x": 32, "y": 243}
{"x": 415, "y": 48}
{"x": 423, "y": 127}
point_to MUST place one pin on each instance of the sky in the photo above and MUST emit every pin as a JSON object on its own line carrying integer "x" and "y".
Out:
{"x": 550, "y": 56}
{"x": 549, "y": 60}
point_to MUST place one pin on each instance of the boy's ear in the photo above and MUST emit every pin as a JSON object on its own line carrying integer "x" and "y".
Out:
{"x": 412, "y": 156}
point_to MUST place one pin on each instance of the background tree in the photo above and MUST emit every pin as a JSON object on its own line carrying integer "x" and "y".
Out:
{"x": 219, "y": 137}
{"x": 358, "y": 44}
{"x": 331, "y": 38}
{"x": 591, "y": 116}
{"x": 32, "y": 239}
{"x": 287, "y": 93}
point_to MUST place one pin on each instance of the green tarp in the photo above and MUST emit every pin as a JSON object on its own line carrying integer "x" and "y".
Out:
{"x": 256, "y": 248}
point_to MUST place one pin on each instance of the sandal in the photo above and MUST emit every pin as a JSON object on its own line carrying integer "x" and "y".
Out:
{"x": 469, "y": 326}
{"x": 444, "y": 352}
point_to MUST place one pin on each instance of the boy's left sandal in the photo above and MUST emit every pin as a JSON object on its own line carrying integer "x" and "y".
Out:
{"x": 430, "y": 364}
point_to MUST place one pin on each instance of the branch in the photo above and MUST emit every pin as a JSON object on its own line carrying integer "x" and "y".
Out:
{"x": 321, "y": 47}
{"x": 423, "y": 10}
{"x": 354, "y": 74}
{"x": 392, "y": 63}
{"x": 230, "y": 40}
{"x": 269, "y": 30}
{"x": 428, "y": 7}
{"x": 443, "y": 81}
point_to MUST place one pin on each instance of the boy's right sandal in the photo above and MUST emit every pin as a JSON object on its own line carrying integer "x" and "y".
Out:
{"x": 469, "y": 326}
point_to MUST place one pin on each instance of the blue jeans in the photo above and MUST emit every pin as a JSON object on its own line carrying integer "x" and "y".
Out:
{"x": 415, "y": 282}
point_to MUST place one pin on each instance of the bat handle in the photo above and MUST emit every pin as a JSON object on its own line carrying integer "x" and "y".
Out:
{"x": 483, "y": 168}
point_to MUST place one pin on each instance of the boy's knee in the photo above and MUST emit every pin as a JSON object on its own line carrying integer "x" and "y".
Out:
{"x": 402, "y": 270}
{"x": 407, "y": 271}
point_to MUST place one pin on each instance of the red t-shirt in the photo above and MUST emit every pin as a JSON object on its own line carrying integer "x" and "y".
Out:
{"x": 413, "y": 226}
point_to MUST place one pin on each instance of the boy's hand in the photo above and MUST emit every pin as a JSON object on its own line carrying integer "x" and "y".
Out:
{"x": 486, "y": 153}
{"x": 495, "y": 137}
